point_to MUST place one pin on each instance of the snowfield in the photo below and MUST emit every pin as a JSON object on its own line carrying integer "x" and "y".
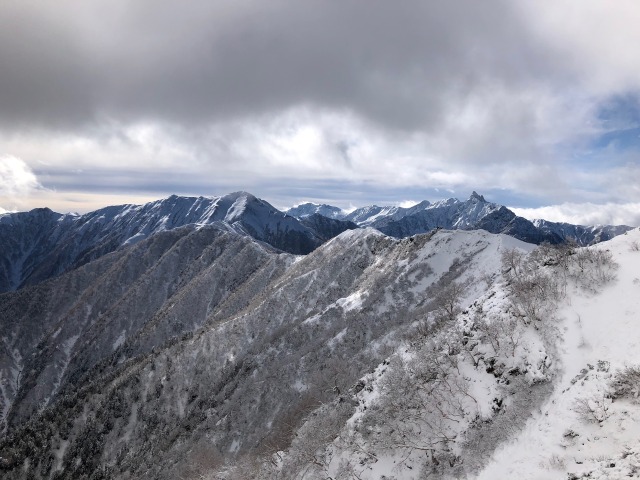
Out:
{"x": 580, "y": 432}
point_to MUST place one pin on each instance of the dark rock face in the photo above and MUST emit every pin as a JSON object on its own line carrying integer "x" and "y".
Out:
{"x": 327, "y": 228}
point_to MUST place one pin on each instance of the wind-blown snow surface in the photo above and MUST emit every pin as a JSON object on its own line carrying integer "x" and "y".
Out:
{"x": 600, "y": 335}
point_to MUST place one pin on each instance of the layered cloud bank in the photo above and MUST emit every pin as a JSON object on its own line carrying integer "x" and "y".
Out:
{"x": 586, "y": 213}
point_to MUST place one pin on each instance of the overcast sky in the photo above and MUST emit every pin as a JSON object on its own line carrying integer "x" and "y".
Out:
{"x": 534, "y": 104}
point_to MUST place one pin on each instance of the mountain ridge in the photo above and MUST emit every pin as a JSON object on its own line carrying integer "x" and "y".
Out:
{"x": 180, "y": 327}
{"x": 476, "y": 212}
{"x": 202, "y": 352}
{"x": 42, "y": 244}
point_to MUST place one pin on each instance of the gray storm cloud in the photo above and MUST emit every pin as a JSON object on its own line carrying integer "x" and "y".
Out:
{"x": 404, "y": 65}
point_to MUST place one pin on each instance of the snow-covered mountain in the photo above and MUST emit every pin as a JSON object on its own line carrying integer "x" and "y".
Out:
{"x": 199, "y": 352}
{"x": 363, "y": 217}
{"x": 474, "y": 213}
{"x": 40, "y": 244}
{"x": 371, "y": 215}
{"x": 308, "y": 209}
{"x": 194, "y": 333}
{"x": 584, "y": 235}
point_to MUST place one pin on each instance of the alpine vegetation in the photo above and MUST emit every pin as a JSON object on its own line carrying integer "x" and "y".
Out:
{"x": 205, "y": 352}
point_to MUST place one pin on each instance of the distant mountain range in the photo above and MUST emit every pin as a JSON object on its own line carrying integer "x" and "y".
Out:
{"x": 453, "y": 214}
{"x": 41, "y": 244}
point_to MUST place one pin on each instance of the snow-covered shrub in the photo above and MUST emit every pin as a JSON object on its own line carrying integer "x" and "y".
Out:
{"x": 592, "y": 267}
{"x": 626, "y": 383}
{"x": 424, "y": 404}
{"x": 534, "y": 294}
{"x": 503, "y": 335}
{"x": 594, "y": 409}
{"x": 447, "y": 300}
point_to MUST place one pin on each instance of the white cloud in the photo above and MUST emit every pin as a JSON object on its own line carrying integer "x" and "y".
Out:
{"x": 17, "y": 182}
{"x": 598, "y": 41}
{"x": 407, "y": 203}
{"x": 16, "y": 178}
{"x": 586, "y": 213}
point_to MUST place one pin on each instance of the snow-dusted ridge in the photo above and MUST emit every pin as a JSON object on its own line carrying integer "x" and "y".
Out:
{"x": 474, "y": 213}
{"x": 188, "y": 298}
{"x": 585, "y": 429}
{"x": 519, "y": 385}
{"x": 199, "y": 353}
{"x": 40, "y": 244}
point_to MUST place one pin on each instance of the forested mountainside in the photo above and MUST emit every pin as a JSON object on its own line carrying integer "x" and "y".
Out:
{"x": 199, "y": 351}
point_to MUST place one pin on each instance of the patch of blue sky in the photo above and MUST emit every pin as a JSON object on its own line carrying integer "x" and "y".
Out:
{"x": 619, "y": 118}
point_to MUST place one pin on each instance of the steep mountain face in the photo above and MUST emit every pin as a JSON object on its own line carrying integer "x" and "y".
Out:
{"x": 199, "y": 342}
{"x": 26, "y": 238}
{"x": 326, "y": 227}
{"x": 41, "y": 244}
{"x": 63, "y": 328}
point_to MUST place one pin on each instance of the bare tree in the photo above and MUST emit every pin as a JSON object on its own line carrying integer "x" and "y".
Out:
{"x": 425, "y": 402}
{"x": 447, "y": 300}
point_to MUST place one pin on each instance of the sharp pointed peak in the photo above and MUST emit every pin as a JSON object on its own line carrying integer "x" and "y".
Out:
{"x": 477, "y": 197}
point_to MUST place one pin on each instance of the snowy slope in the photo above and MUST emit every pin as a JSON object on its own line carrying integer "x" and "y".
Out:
{"x": 200, "y": 352}
{"x": 196, "y": 338}
{"x": 525, "y": 382}
{"x": 581, "y": 432}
